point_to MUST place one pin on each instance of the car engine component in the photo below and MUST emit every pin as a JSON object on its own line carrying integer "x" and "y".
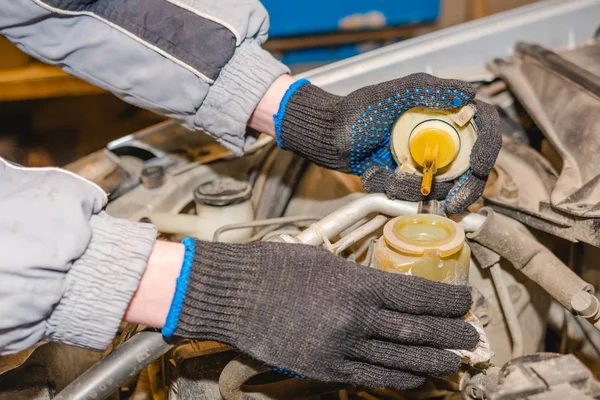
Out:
{"x": 543, "y": 376}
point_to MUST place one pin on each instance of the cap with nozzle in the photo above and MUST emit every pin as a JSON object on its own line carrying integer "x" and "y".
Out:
{"x": 433, "y": 145}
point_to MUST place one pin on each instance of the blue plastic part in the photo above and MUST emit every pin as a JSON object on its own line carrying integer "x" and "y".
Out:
{"x": 323, "y": 55}
{"x": 180, "y": 288}
{"x": 290, "y": 18}
{"x": 284, "y": 101}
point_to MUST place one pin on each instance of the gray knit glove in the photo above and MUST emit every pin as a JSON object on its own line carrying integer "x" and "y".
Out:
{"x": 352, "y": 134}
{"x": 306, "y": 310}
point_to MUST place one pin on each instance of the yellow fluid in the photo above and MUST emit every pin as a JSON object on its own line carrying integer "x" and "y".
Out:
{"x": 453, "y": 269}
{"x": 428, "y": 232}
{"x": 432, "y": 149}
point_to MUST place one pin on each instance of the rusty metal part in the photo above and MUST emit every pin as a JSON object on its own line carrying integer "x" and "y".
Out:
{"x": 508, "y": 309}
{"x": 535, "y": 178}
{"x": 313, "y": 197}
{"x": 583, "y": 304}
{"x": 540, "y": 376}
{"x": 564, "y": 101}
{"x": 581, "y": 339}
{"x": 209, "y": 153}
{"x": 544, "y": 376}
{"x": 485, "y": 257}
{"x": 474, "y": 387}
{"x": 587, "y": 306}
{"x": 539, "y": 264}
{"x": 64, "y": 364}
{"x": 127, "y": 332}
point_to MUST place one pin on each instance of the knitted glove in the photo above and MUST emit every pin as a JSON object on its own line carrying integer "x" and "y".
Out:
{"x": 306, "y": 310}
{"x": 352, "y": 133}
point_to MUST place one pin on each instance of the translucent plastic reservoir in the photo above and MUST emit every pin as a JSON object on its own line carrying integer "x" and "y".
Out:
{"x": 424, "y": 245}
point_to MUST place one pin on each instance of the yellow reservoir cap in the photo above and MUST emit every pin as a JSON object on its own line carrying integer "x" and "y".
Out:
{"x": 432, "y": 149}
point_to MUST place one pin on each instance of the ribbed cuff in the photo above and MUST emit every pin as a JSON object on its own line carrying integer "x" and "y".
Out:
{"x": 180, "y": 288}
{"x": 100, "y": 284}
{"x": 235, "y": 93}
{"x": 308, "y": 127}
{"x": 217, "y": 292}
{"x": 278, "y": 118}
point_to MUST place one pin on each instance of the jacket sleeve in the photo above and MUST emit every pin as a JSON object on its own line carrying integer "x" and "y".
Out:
{"x": 67, "y": 269}
{"x": 199, "y": 62}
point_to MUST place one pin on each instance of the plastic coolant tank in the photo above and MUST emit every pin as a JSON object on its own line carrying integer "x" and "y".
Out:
{"x": 218, "y": 203}
{"x": 439, "y": 142}
{"x": 424, "y": 245}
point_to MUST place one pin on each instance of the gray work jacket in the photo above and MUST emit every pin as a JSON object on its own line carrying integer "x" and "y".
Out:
{"x": 67, "y": 269}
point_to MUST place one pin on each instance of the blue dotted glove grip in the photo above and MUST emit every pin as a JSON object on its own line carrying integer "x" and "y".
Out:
{"x": 370, "y": 137}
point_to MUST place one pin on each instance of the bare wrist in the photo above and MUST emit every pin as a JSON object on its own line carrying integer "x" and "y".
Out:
{"x": 262, "y": 117}
{"x": 152, "y": 300}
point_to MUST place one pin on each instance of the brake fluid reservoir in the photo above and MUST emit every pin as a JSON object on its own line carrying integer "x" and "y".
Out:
{"x": 222, "y": 202}
{"x": 424, "y": 245}
{"x": 432, "y": 143}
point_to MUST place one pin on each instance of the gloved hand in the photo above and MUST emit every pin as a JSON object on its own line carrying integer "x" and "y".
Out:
{"x": 306, "y": 310}
{"x": 352, "y": 133}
